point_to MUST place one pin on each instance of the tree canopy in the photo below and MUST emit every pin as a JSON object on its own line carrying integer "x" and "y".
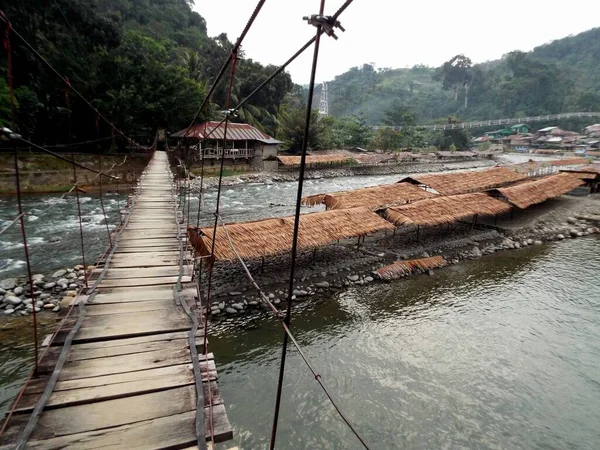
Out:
{"x": 144, "y": 64}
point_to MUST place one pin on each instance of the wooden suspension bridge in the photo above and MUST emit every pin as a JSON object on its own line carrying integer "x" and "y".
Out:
{"x": 122, "y": 374}
{"x": 498, "y": 122}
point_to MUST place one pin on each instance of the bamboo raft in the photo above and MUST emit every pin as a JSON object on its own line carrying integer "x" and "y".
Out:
{"x": 128, "y": 381}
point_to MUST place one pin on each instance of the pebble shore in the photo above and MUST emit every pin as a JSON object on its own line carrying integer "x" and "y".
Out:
{"x": 49, "y": 291}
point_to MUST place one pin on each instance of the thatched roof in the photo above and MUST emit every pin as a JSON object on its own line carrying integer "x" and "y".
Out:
{"x": 274, "y": 236}
{"x": 441, "y": 210}
{"x": 526, "y": 194}
{"x": 464, "y": 182}
{"x": 584, "y": 173}
{"x": 400, "y": 268}
{"x": 590, "y": 168}
{"x": 314, "y": 159}
{"x": 456, "y": 154}
{"x": 569, "y": 162}
{"x": 374, "y": 198}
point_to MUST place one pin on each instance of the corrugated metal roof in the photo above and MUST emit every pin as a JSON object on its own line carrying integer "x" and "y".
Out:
{"x": 235, "y": 132}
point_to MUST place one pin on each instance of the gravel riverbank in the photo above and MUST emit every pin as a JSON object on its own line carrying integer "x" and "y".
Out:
{"x": 274, "y": 177}
{"x": 17, "y": 298}
{"x": 341, "y": 266}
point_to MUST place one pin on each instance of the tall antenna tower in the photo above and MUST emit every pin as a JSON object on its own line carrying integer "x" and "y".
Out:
{"x": 324, "y": 101}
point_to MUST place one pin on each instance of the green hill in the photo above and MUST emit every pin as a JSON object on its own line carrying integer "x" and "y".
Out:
{"x": 560, "y": 76}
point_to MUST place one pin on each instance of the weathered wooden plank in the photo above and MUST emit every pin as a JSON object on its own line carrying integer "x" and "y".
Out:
{"x": 220, "y": 424}
{"x": 37, "y": 386}
{"x": 146, "y": 249}
{"x": 162, "y": 242}
{"x": 71, "y": 397}
{"x": 114, "y": 413}
{"x": 124, "y": 308}
{"x": 140, "y": 294}
{"x": 169, "y": 432}
{"x": 123, "y": 363}
{"x": 131, "y": 282}
{"x": 90, "y": 334}
{"x": 142, "y": 272}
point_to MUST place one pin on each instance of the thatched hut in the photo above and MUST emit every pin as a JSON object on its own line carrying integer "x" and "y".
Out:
{"x": 465, "y": 182}
{"x": 445, "y": 210}
{"x": 402, "y": 268}
{"x": 531, "y": 193}
{"x": 374, "y": 198}
{"x": 272, "y": 237}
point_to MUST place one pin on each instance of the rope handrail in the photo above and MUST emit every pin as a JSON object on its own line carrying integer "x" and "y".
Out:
{"x": 278, "y": 314}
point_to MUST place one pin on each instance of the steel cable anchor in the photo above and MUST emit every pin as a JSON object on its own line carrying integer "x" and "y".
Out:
{"x": 327, "y": 24}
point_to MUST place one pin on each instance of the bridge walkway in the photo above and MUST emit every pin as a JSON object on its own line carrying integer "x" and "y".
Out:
{"x": 128, "y": 380}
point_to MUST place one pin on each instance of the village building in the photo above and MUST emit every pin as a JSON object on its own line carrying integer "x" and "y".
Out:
{"x": 246, "y": 147}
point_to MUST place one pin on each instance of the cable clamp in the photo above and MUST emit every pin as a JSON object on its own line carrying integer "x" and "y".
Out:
{"x": 327, "y": 24}
{"x": 230, "y": 112}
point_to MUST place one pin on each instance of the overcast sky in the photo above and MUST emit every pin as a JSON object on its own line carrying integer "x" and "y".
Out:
{"x": 392, "y": 33}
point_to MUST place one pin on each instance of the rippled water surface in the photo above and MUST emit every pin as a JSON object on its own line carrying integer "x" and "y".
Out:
{"x": 503, "y": 352}
{"x": 498, "y": 353}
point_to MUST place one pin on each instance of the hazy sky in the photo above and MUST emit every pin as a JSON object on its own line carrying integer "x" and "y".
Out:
{"x": 395, "y": 33}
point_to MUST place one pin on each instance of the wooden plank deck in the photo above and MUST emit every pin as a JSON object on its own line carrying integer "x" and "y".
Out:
{"x": 128, "y": 380}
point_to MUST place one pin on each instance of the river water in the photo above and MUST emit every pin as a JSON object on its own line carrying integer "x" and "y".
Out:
{"x": 501, "y": 352}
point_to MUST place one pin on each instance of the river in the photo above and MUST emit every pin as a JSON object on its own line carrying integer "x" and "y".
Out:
{"x": 501, "y": 352}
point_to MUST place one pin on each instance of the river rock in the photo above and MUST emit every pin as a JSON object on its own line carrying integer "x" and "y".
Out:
{"x": 530, "y": 241}
{"x": 235, "y": 293}
{"x": 38, "y": 276}
{"x": 573, "y": 232}
{"x": 54, "y": 239}
{"x": 49, "y": 306}
{"x": 71, "y": 275}
{"x": 322, "y": 284}
{"x": 2, "y": 291}
{"x": 77, "y": 267}
{"x": 63, "y": 281}
{"x": 238, "y": 306}
{"x": 8, "y": 283}
{"x": 12, "y": 300}
{"x": 59, "y": 273}
{"x": 537, "y": 242}
{"x": 476, "y": 252}
{"x": 353, "y": 277}
{"x": 56, "y": 308}
{"x": 323, "y": 274}
{"x": 253, "y": 303}
{"x": 368, "y": 279}
{"x": 49, "y": 285}
{"x": 9, "y": 311}
{"x": 579, "y": 234}
{"x": 571, "y": 220}
{"x": 229, "y": 310}
{"x": 560, "y": 237}
{"x": 221, "y": 305}
{"x": 18, "y": 290}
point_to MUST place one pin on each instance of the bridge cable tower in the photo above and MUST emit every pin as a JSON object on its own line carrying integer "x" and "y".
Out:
{"x": 324, "y": 101}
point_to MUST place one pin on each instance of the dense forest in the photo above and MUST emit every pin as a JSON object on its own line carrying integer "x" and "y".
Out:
{"x": 561, "y": 76}
{"x": 145, "y": 64}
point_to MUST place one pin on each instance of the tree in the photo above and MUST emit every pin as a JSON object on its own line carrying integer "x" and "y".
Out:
{"x": 291, "y": 131}
{"x": 454, "y": 74}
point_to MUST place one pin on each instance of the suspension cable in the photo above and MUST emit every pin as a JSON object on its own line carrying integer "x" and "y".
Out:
{"x": 232, "y": 57}
{"x": 278, "y": 314}
{"x": 288, "y": 314}
{"x": 85, "y": 276}
{"x": 56, "y": 155}
{"x": 27, "y": 260}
